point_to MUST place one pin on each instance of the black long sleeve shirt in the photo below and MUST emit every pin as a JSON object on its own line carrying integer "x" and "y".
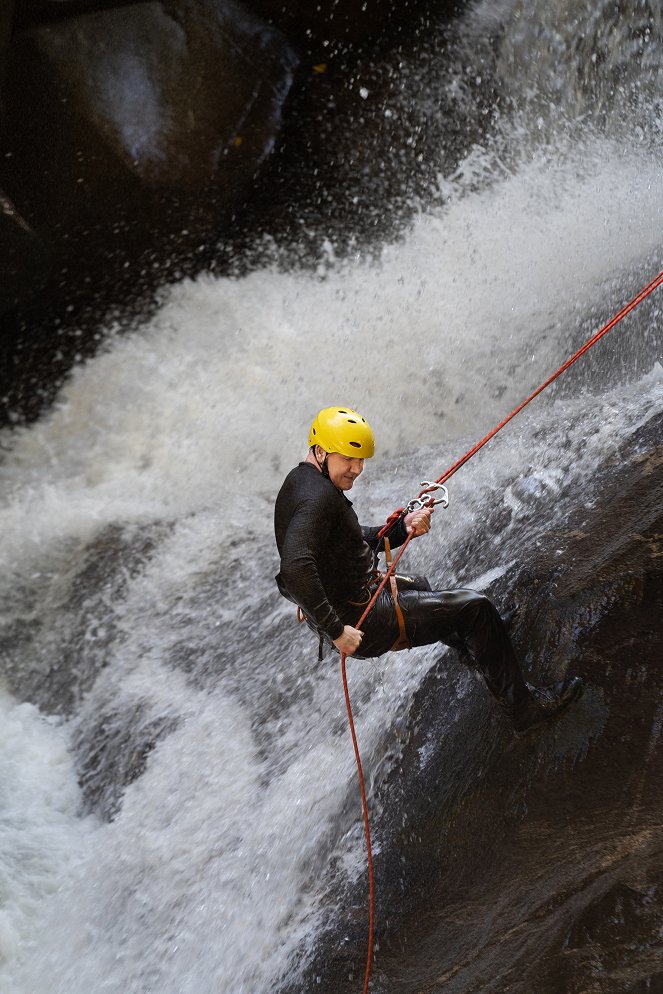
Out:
{"x": 326, "y": 556}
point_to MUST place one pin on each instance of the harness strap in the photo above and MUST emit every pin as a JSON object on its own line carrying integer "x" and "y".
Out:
{"x": 402, "y": 642}
{"x": 321, "y": 638}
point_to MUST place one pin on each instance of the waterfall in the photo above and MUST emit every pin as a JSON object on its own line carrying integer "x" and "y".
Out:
{"x": 178, "y": 782}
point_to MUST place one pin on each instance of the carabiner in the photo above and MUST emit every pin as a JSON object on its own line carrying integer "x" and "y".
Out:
{"x": 426, "y": 499}
{"x": 429, "y": 487}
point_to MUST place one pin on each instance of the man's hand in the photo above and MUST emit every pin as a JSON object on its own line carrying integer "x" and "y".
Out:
{"x": 418, "y": 522}
{"x": 349, "y": 641}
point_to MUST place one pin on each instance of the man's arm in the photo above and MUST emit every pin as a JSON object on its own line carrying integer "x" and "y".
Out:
{"x": 396, "y": 538}
{"x": 307, "y": 532}
{"x": 417, "y": 521}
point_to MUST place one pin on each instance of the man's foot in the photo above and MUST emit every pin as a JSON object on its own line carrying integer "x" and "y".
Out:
{"x": 546, "y": 703}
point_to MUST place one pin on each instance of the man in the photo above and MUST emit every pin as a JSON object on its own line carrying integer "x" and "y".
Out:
{"x": 328, "y": 568}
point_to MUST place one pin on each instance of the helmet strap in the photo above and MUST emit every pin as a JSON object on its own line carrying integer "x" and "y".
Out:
{"x": 322, "y": 466}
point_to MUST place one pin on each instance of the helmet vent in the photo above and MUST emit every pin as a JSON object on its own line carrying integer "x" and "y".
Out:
{"x": 342, "y": 430}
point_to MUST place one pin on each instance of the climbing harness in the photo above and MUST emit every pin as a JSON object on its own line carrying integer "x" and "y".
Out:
{"x": 424, "y": 499}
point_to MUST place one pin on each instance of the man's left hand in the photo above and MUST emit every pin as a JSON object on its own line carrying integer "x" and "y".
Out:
{"x": 418, "y": 522}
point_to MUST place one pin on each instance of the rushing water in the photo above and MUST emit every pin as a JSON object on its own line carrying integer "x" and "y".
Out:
{"x": 141, "y": 621}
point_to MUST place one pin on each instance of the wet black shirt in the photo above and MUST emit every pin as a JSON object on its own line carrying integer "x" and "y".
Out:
{"x": 326, "y": 555}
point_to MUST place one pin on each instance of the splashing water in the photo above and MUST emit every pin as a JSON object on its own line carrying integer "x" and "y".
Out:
{"x": 162, "y": 457}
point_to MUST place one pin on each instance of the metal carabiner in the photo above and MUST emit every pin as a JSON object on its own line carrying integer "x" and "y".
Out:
{"x": 430, "y": 487}
{"x": 427, "y": 499}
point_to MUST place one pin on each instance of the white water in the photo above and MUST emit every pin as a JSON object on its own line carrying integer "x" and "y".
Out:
{"x": 206, "y": 879}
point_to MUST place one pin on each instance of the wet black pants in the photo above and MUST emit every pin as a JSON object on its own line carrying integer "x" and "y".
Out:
{"x": 463, "y": 619}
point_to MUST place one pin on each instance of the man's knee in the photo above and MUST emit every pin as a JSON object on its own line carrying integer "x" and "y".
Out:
{"x": 478, "y": 609}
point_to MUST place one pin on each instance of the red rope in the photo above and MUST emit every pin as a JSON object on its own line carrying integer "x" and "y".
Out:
{"x": 391, "y": 522}
{"x": 367, "y": 828}
{"x": 656, "y": 282}
{"x": 360, "y": 772}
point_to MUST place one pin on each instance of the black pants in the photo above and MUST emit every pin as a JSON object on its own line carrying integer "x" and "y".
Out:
{"x": 463, "y": 619}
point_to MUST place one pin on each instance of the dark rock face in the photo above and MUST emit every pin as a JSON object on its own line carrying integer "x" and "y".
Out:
{"x": 23, "y": 261}
{"x": 536, "y": 865}
{"x": 67, "y": 615}
{"x": 5, "y": 29}
{"x": 325, "y": 28}
{"x": 30, "y": 12}
{"x": 131, "y": 135}
{"x": 113, "y": 753}
{"x": 177, "y": 94}
{"x": 145, "y": 97}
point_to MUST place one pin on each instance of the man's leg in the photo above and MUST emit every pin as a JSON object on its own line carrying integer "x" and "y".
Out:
{"x": 467, "y": 619}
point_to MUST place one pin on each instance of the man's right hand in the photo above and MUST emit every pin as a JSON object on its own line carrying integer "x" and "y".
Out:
{"x": 349, "y": 640}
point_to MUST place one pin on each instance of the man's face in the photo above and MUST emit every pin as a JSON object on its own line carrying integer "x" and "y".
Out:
{"x": 343, "y": 470}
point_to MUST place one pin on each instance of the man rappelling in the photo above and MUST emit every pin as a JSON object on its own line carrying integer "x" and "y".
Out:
{"x": 329, "y": 570}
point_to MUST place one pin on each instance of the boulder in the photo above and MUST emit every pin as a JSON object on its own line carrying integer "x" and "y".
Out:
{"x": 180, "y": 95}
{"x": 131, "y": 136}
{"x": 30, "y": 12}
{"x": 331, "y": 26}
{"x": 23, "y": 260}
{"x": 6, "y": 11}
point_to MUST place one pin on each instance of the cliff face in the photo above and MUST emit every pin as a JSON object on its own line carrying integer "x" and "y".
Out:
{"x": 141, "y": 141}
{"x": 535, "y": 865}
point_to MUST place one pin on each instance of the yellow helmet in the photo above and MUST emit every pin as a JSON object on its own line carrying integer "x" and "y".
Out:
{"x": 340, "y": 429}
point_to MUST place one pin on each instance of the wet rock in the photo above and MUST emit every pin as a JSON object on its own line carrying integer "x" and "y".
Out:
{"x": 63, "y": 627}
{"x": 178, "y": 94}
{"x": 6, "y": 12}
{"x": 534, "y": 865}
{"x": 31, "y": 12}
{"x": 334, "y": 25}
{"x": 23, "y": 260}
{"x": 603, "y": 940}
{"x": 113, "y": 751}
{"x": 131, "y": 135}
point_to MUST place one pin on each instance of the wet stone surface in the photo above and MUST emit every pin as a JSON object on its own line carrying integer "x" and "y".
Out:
{"x": 509, "y": 865}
